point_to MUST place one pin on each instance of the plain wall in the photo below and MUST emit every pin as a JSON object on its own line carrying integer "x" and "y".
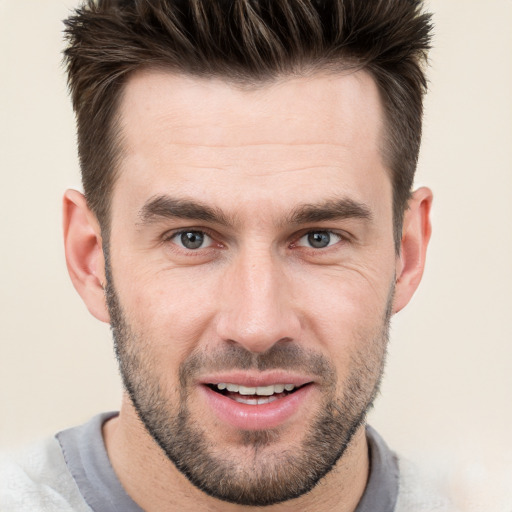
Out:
{"x": 448, "y": 383}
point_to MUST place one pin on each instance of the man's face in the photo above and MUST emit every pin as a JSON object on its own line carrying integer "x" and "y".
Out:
{"x": 251, "y": 271}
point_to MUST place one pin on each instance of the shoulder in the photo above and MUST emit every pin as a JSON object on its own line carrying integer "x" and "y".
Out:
{"x": 468, "y": 487}
{"x": 37, "y": 479}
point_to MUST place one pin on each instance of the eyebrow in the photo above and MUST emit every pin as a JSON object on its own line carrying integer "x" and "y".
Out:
{"x": 167, "y": 207}
{"x": 333, "y": 209}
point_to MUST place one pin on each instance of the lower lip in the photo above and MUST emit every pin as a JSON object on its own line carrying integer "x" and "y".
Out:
{"x": 256, "y": 417}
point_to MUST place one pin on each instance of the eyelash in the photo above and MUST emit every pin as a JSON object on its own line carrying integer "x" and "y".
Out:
{"x": 342, "y": 238}
{"x": 169, "y": 236}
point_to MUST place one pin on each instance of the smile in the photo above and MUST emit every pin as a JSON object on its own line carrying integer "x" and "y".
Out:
{"x": 258, "y": 395}
{"x": 260, "y": 402}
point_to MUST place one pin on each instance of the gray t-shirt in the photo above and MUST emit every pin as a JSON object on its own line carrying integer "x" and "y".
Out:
{"x": 87, "y": 461}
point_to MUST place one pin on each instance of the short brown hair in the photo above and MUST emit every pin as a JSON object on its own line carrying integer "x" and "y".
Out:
{"x": 249, "y": 42}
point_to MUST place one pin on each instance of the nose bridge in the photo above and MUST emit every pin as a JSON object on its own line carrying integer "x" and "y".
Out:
{"x": 256, "y": 311}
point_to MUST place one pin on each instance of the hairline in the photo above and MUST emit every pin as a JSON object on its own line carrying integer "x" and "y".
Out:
{"x": 245, "y": 83}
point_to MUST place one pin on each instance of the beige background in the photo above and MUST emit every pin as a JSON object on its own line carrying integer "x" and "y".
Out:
{"x": 448, "y": 386}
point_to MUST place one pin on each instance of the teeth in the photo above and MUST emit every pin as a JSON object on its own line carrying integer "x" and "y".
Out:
{"x": 248, "y": 401}
{"x": 254, "y": 401}
{"x": 246, "y": 391}
{"x": 266, "y": 400}
{"x": 260, "y": 390}
{"x": 265, "y": 390}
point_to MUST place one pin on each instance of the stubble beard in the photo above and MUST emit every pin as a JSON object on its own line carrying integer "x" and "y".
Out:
{"x": 271, "y": 475}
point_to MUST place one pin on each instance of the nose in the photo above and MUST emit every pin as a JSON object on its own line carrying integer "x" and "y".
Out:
{"x": 256, "y": 307}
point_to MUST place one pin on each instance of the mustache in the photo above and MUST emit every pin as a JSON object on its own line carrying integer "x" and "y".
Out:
{"x": 281, "y": 356}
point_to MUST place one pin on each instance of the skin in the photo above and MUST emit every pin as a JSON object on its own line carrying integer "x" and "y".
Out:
{"x": 255, "y": 155}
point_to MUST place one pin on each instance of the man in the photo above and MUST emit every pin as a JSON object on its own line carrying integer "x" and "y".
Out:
{"x": 248, "y": 229}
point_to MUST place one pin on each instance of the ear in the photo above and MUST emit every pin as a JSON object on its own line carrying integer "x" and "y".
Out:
{"x": 84, "y": 253}
{"x": 415, "y": 237}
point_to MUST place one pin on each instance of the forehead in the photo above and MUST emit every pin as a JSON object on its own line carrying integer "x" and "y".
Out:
{"x": 197, "y": 134}
{"x": 317, "y": 108}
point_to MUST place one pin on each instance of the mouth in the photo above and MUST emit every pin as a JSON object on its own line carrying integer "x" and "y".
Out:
{"x": 256, "y": 402}
{"x": 257, "y": 395}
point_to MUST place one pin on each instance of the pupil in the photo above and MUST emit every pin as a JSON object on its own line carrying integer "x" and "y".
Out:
{"x": 192, "y": 239}
{"x": 319, "y": 239}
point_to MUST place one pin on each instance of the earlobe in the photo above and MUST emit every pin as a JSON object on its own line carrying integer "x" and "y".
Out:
{"x": 415, "y": 237}
{"x": 84, "y": 253}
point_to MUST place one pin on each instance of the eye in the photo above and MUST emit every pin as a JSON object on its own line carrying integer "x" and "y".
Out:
{"x": 319, "y": 239}
{"x": 191, "y": 240}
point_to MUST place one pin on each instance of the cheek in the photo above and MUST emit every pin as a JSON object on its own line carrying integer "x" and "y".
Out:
{"x": 344, "y": 296}
{"x": 344, "y": 312}
{"x": 172, "y": 309}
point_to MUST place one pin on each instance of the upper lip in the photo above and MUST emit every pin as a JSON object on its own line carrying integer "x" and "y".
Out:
{"x": 256, "y": 378}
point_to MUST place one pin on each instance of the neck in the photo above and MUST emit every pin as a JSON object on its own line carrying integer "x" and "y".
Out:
{"x": 155, "y": 484}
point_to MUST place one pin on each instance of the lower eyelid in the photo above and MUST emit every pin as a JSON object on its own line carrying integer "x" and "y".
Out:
{"x": 207, "y": 239}
{"x": 210, "y": 241}
{"x": 337, "y": 238}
